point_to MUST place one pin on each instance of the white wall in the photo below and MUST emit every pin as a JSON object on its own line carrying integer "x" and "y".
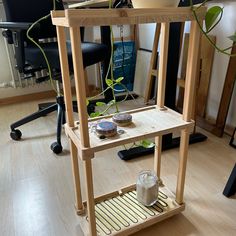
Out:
{"x": 226, "y": 27}
{"x": 5, "y": 74}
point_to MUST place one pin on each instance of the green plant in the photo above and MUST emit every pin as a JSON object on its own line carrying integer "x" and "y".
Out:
{"x": 213, "y": 17}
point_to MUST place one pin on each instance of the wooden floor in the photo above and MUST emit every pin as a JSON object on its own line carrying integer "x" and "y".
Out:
{"x": 36, "y": 186}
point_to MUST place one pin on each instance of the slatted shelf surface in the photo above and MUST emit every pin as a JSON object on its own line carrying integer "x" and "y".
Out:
{"x": 122, "y": 213}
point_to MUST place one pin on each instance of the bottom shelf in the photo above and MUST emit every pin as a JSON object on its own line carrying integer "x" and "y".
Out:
{"x": 120, "y": 213}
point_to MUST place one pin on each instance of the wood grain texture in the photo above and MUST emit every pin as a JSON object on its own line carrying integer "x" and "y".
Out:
{"x": 162, "y": 70}
{"x": 226, "y": 95}
{"x": 80, "y": 84}
{"x": 191, "y": 71}
{"x": 152, "y": 72}
{"x": 206, "y": 60}
{"x": 99, "y": 17}
{"x": 65, "y": 75}
{"x": 146, "y": 124}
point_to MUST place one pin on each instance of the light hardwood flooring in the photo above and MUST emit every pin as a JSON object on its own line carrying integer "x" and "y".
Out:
{"x": 36, "y": 186}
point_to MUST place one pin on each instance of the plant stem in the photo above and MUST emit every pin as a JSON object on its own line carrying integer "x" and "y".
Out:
{"x": 205, "y": 33}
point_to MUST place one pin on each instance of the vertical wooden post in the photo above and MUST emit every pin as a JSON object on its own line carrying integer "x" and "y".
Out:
{"x": 79, "y": 83}
{"x": 82, "y": 109}
{"x": 188, "y": 102}
{"x": 157, "y": 157}
{"x": 164, "y": 42}
{"x": 69, "y": 113}
{"x": 153, "y": 65}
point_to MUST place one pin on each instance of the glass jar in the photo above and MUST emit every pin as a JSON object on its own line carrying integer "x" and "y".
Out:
{"x": 147, "y": 187}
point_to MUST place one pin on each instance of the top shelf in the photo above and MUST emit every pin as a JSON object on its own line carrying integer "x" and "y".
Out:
{"x": 102, "y": 17}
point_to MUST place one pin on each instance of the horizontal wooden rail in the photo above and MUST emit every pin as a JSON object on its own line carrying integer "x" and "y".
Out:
{"x": 99, "y": 17}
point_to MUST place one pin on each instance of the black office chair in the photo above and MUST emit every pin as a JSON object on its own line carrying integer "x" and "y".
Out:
{"x": 20, "y": 15}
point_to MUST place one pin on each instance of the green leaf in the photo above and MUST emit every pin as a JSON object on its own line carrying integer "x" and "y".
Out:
{"x": 119, "y": 79}
{"x": 109, "y": 82}
{"x": 112, "y": 102}
{"x": 94, "y": 114}
{"x": 233, "y": 37}
{"x": 87, "y": 102}
{"x": 211, "y": 16}
{"x": 100, "y": 104}
{"x": 147, "y": 143}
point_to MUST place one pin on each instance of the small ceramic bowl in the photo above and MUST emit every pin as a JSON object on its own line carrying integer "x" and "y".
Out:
{"x": 106, "y": 129}
{"x": 122, "y": 119}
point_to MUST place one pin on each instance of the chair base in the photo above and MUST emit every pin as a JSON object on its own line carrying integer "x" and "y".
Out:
{"x": 45, "y": 109}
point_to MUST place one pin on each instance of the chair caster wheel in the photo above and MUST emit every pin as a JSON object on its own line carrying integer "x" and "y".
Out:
{"x": 56, "y": 147}
{"x": 16, "y": 134}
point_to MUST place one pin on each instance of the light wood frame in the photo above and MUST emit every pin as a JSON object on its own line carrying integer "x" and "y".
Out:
{"x": 162, "y": 120}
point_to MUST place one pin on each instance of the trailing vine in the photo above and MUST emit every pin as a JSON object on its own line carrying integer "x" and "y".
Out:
{"x": 213, "y": 17}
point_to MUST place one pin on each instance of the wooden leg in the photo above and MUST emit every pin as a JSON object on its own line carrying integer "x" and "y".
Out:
{"x": 184, "y": 142}
{"x": 157, "y": 158}
{"x": 153, "y": 65}
{"x": 75, "y": 170}
{"x": 90, "y": 197}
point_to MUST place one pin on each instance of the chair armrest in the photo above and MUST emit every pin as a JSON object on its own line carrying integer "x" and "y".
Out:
{"x": 16, "y": 25}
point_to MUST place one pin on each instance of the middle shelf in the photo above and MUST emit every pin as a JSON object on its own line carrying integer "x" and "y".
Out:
{"x": 148, "y": 122}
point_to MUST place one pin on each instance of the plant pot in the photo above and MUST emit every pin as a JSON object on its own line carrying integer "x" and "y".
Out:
{"x": 154, "y": 3}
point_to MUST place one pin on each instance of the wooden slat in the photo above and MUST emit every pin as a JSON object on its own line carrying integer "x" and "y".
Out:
{"x": 164, "y": 43}
{"x": 80, "y": 84}
{"x": 69, "y": 114}
{"x": 152, "y": 73}
{"x": 181, "y": 83}
{"x": 90, "y": 197}
{"x": 116, "y": 208}
{"x": 188, "y": 103}
{"x": 183, "y": 154}
{"x": 206, "y": 57}
{"x": 91, "y": 17}
{"x": 190, "y": 80}
{"x": 76, "y": 177}
{"x": 226, "y": 95}
{"x": 65, "y": 74}
{"x": 157, "y": 157}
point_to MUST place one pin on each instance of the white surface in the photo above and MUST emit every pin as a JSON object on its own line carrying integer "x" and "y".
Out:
{"x": 5, "y": 74}
{"x": 226, "y": 28}
{"x": 141, "y": 71}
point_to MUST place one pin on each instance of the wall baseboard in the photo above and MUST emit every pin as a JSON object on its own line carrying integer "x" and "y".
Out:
{"x": 209, "y": 125}
{"x": 27, "y": 97}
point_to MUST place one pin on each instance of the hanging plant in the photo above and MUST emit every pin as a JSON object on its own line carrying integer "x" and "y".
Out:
{"x": 213, "y": 17}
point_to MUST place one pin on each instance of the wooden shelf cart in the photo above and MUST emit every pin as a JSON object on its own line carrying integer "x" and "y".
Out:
{"x": 119, "y": 213}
